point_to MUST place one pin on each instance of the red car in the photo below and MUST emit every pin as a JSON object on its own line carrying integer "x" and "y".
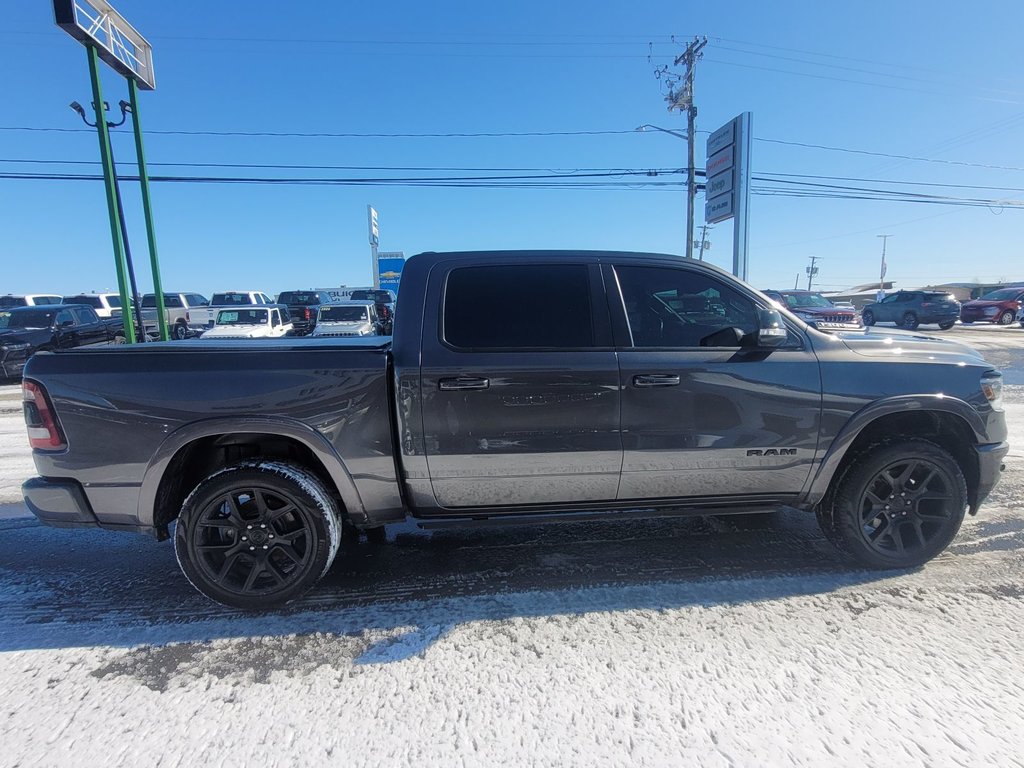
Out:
{"x": 999, "y": 307}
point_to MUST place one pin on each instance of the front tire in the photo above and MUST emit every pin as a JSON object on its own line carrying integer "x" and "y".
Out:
{"x": 946, "y": 326}
{"x": 909, "y": 321}
{"x": 1005, "y": 318}
{"x": 258, "y": 534}
{"x": 898, "y": 505}
{"x": 868, "y": 317}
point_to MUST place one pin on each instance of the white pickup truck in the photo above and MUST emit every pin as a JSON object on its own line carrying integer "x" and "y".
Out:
{"x": 264, "y": 322}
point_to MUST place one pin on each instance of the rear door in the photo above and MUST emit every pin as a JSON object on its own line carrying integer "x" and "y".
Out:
{"x": 701, "y": 416}
{"x": 89, "y": 328}
{"x": 519, "y": 385}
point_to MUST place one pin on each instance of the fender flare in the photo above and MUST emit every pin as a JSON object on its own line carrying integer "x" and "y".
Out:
{"x": 832, "y": 459}
{"x": 288, "y": 428}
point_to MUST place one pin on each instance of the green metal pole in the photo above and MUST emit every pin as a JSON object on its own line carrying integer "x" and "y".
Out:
{"x": 108, "y": 182}
{"x": 147, "y": 208}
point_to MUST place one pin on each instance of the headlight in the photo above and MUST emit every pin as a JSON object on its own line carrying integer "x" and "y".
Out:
{"x": 14, "y": 347}
{"x": 804, "y": 316}
{"x": 992, "y": 389}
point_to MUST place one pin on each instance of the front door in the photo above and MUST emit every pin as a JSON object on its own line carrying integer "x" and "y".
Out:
{"x": 519, "y": 390}
{"x": 701, "y": 415}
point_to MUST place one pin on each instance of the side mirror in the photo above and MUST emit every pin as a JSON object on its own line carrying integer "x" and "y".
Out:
{"x": 771, "y": 330}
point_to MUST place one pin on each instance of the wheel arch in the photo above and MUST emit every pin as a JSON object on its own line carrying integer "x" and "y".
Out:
{"x": 947, "y": 421}
{"x": 195, "y": 451}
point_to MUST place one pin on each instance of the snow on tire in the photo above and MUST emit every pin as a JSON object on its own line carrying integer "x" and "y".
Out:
{"x": 257, "y": 534}
{"x": 897, "y": 505}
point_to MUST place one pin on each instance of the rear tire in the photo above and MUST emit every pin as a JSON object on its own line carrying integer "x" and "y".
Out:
{"x": 258, "y": 534}
{"x": 909, "y": 321}
{"x": 946, "y": 326}
{"x": 868, "y": 317}
{"x": 179, "y": 332}
{"x": 897, "y": 505}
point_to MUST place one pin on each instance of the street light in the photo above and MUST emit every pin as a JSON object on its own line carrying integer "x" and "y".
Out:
{"x": 691, "y": 186}
{"x": 647, "y": 126}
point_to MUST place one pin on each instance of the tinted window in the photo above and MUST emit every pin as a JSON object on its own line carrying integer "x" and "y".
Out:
{"x": 65, "y": 316}
{"x": 297, "y": 297}
{"x": 503, "y": 307}
{"x": 92, "y": 301}
{"x": 669, "y": 307}
{"x": 12, "y": 301}
{"x": 381, "y": 297}
{"x": 30, "y": 318}
{"x": 195, "y": 300}
{"x": 84, "y": 315}
{"x": 170, "y": 300}
{"x": 40, "y": 300}
{"x": 229, "y": 299}
{"x": 115, "y": 301}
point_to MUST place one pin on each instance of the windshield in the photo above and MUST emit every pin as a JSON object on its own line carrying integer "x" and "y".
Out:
{"x": 295, "y": 297}
{"x": 242, "y": 317}
{"x": 1003, "y": 294}
{"x": 30, "y": 318}
{"x": 382, "y": 297}
{"x": 220, "y": 299}
{"x": 12, "y": 301}
{"x": 797, "y": 300}
{"x": 343, "y": 314}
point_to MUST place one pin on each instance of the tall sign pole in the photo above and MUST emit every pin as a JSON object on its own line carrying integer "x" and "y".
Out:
{"x": 147, "y": 210}
{"x": 727, "y": 189}
{"x": 741, "y": 221}
{"x": 107, "y": 35}
{"x": 371, "y": 221}
{"x": 112, "y": 206}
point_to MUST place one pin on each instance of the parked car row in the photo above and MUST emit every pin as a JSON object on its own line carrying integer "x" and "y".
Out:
{"x": 35, "y": 328}
{"x": 909, "y": 309}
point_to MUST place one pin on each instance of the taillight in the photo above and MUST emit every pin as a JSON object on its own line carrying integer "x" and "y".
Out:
{"x": 43, "y": 432}
{"x": 188, "y": 318}
{"x": 308, "y": 313}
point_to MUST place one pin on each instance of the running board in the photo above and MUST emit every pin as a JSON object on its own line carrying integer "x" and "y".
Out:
{"x": 533, "y": 518}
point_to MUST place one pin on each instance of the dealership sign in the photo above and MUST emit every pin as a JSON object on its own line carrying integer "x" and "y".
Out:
{"x": 389, "y": 269}
{"x": 727, "y": 184}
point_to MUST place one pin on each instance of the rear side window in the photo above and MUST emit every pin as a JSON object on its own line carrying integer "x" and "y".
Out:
{"x": 515, "y": 307}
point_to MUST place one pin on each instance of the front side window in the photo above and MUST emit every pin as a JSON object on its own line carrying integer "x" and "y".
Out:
{"x": 669, "y": 307}
{"x": 86, "y": 316}
{"x": 63, "y": 317}
{"x": 544, "y": 306}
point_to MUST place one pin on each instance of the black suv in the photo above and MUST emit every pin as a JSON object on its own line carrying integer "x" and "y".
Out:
{"x": 303, "y": 306}
{"x": 385, "y": 301}
{"x": 909, "y": 309}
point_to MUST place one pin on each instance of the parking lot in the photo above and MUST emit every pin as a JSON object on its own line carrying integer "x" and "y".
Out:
{"x": 720, "y": 640}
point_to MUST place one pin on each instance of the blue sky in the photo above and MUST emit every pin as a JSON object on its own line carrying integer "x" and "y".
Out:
{"x": 924, "y": 79}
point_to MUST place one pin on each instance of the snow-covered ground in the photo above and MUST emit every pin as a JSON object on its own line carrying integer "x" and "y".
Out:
{"x": 664, "y": 642}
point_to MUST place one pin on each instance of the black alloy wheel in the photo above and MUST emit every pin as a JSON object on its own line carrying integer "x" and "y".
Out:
{"x": 946, "y": 326}
{"x": 909, "y": 321}
{"x": 257, "y": 535}
{"x": 898, "y": 505}
{"x": 869, "y": 317}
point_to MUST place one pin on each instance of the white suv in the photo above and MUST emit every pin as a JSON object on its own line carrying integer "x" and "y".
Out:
{"x": 28, "y": 300}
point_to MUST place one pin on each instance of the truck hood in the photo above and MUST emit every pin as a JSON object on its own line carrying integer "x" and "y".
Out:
{"x": 33, "y": 336}
{"x": 979, "y": 304}
{"x": 904, "y": 346}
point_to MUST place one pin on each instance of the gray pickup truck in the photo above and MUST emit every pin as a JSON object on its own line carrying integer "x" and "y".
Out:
{"x": 518, "y": 387}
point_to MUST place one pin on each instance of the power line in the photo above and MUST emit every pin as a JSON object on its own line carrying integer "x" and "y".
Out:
{"x": 327, "y": 135}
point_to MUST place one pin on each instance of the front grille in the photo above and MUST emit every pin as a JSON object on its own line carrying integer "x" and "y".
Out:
{"x": 843, "y": 319}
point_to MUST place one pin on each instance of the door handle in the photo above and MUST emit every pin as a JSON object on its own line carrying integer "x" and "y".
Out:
{"x": 656, "y": 380}
{"x": 462, "y": 383}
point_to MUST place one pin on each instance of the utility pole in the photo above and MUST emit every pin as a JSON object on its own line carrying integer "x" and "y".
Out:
{"x": 881, "y": 272}
{"x": 812, "y": 270}
{"x": 680, "y": 96}
{"x": 703, "y": 241}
